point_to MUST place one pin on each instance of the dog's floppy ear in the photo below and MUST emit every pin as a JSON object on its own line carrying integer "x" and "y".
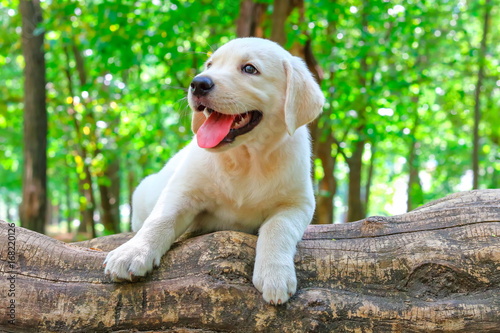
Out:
{"x": 304, "y": 99}
{"x": 197, "y": 120}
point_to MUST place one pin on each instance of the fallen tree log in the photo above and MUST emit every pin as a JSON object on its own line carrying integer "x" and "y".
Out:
{"x": 435, "y": 269}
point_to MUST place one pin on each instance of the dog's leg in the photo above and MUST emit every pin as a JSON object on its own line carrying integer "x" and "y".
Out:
{"x": 274, "y": 271}
{"x": 171, "y": 216}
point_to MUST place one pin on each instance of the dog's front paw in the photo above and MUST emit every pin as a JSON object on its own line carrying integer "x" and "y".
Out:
{"x": 133, "y": 258}
{"x": 276, "y": 282}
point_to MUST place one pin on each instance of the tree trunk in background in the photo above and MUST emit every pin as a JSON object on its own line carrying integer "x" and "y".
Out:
{"x": 69, "y": 205}
{"x": 322, "y": 148}
{"x": 87, "y": 209}
{"x": 33, "y": 208}
{"x": 322, "y": 141}
{"x": 327, "y": 186}
{"x": 477, "y": 96}
{"x": 113, "y": 173}
{"x": 8, "y": 206}
{"x": 431, "y": 270}
{"x": 131, "y": 183}
{"x": 369, "y": 178}
{"x": 110, "y": 199}
{"x": 107, "y": 218}
{"x": 88, "y": 181}
{"x": 491, "y": 105}
{"x": 414, "y": 191}
{"x": 250, "y": 19}
{"x": 109, "y": 192}
{"x": 356, "y": 210}
{"x": 85, "y": 188}
{"x": 281, "y": 10}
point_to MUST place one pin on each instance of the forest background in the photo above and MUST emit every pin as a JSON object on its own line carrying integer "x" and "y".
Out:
{"x": 412, "y": 93}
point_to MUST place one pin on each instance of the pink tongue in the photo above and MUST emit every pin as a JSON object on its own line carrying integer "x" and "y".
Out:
{"x": 214, "y": 129}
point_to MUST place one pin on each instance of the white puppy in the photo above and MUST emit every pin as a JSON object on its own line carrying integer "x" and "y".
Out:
{"x": 247, "y": 169}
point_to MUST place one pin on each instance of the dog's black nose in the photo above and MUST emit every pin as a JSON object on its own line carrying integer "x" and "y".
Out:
{"x": 201, "y": 85}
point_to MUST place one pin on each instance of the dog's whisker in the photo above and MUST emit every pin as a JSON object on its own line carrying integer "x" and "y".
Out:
{"x": 182, "y": 106}
{"x": 183, "y": 99}
{"x": 176, "y": 88}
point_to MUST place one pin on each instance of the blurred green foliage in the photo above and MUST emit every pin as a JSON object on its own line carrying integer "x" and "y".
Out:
{"x": 411, "y": 66}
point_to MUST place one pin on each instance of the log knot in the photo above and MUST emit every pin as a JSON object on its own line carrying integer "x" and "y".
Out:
{"x": 431, "y": 281}
{"x": 373, "y": 224}
{"x": 375, "y": 219}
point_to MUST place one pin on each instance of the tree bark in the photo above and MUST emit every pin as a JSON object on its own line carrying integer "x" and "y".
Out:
{"x": 33, "y": 208}
{"x": 434, "y": 269}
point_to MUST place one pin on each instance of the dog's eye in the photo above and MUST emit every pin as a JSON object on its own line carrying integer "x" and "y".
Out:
{"x": 208, "y": 65}
{"x": 249, "y": 69}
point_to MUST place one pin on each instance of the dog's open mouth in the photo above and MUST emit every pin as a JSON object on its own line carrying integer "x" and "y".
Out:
{"x": 220, "y": 128}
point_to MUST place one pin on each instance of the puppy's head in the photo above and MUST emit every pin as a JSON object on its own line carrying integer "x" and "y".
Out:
{"x": 251, "y": 90}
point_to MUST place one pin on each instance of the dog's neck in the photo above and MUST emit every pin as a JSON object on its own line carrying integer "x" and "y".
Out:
{"x": 259, "y": 158}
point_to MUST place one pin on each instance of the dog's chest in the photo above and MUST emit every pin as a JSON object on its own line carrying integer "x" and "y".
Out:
{"x": 241, "y": 203}
{"x": 242, "y": 193}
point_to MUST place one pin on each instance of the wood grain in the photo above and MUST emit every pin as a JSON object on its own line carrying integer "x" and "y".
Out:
{"x": 435, "y": 269}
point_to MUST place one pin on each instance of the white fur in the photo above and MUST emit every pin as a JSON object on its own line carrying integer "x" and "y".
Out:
{"x": 260, "y": 182}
